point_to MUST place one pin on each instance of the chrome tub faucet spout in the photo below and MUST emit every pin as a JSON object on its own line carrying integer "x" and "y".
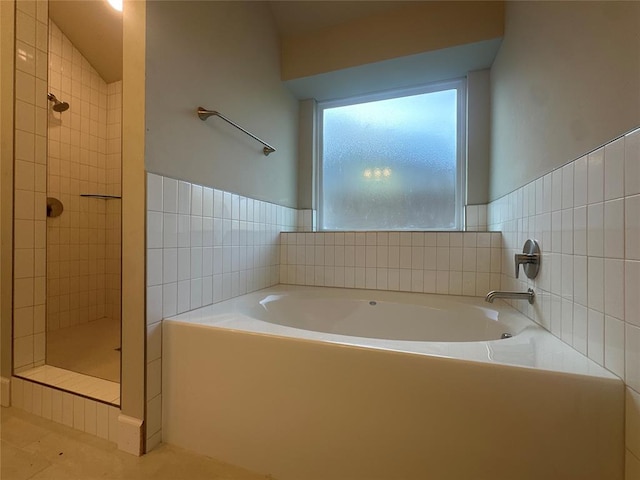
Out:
{"x": 529, "y": 295}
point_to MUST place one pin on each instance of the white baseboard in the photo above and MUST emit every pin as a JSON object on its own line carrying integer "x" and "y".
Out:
{"x": 130, "y": 435}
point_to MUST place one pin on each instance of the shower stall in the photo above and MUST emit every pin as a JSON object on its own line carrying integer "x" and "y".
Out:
{"x": 83, "y": 216}
{"x": 83, "y": 224}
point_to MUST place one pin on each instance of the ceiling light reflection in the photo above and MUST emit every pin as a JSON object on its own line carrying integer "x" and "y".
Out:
{"x": 377, "y": 173}
{"x": 116, "y": 4}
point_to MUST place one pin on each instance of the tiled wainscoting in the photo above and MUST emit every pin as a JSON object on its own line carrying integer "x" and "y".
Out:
{"x": 203, "y": 246}
{"x": 455, "y": 263}
{"x": 77, "y": 412}
{"x": 586, "y": 216}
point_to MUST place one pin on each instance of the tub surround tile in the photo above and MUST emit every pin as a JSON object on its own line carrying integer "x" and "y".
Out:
{"x": 632, "y": 163}
{"x": 605, "y": 311}
{"x": 204, "y": 246}
{"x": 632, "y": 356}
{"x": 614, "y": 170}
{"x": 405, "y": 261}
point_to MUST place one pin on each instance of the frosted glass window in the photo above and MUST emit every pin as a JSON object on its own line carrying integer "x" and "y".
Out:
{"x": 392, "y": 163}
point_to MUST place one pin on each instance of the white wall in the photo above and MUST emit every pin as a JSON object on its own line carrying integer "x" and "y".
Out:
{"x": 223, "y": 56}
{"x": 564, "y": 82}
{"x": 478, "y": 136}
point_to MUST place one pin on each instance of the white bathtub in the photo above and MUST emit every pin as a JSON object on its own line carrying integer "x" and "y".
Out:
{"x": 315, "y": 383}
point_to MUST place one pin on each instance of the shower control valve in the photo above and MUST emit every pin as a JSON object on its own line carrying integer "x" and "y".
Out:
{"x": 529, "y": 259}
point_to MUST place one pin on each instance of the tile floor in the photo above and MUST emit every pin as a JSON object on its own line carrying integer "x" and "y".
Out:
{"x": 34, "y": 448}
{"x": 87, "y": 348}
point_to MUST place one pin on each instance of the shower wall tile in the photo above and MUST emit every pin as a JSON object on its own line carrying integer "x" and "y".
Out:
{"x": 29, "y": 188}
{"x": 83, "y": 158}
{"x": 600, "y": 292}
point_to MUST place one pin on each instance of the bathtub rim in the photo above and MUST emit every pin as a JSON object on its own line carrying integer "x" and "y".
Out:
{"x": 551, "y": 353}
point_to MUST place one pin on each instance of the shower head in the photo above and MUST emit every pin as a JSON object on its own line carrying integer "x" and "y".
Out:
{"x": 58, "y": 106}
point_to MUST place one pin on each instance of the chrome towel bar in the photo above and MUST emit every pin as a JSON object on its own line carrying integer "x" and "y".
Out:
{"x": 203, "y": 113}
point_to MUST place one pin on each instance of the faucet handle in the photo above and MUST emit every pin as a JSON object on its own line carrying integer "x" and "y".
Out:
{"x": 529, "y": 258}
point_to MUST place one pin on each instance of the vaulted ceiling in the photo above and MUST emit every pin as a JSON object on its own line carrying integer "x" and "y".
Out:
{"x": 96, "y": 30}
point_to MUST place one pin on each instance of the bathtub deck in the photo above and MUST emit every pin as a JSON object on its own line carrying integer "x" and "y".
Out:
{"x": 534, "y": 347}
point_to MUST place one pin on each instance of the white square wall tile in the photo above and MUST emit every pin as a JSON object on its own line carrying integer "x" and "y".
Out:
{"x": 595, "y": 283}
{"x": 580, "y": 173}
{"x": 207, "y": 202}
{"x": 196, "y": 200}
{"x": 102, "y": 420}
{"x": 170, "y": 195}
{"x": 154, "y": 229}
{"x": 567, "y": 186}
{"x": 154, "y": 415}
{"x": 614, "y": 288}
{"x": 184, "y": 264}
{"x": 169, "y": 265}
{"x": 556, "y": 190}
{"x": 580, "y": 231}
{"x": 169, "y": 300}
{"x": 154, "y": 267}
{"x": 614, "y": 228}
{"x": 632, "y": 356}
{"x": 154, "y": 192}
{"x": 154, "y": 304}
{"x": 632, "y": 227}
{"x": 595, "y": 230}
{"x": 580, "y": 328}
{"x": 90, "y": 417}
{"x": 154, "y": 378}
{"x": 631, "y": 292}
{"x": 614, "y": 345}
{"x": 169, "y": 230}
{"x": 595, "y": 188}
{"x": 184, "y": 296}
{"x": 614, "y": 169}
{"x": 632, "y": 163}
{"x": 595, "y": 336}
{"x": 25, "y": 28}
{"x": 184, "y": 198}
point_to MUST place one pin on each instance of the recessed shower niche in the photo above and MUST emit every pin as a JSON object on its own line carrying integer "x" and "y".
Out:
{"x": 83, "y": 225}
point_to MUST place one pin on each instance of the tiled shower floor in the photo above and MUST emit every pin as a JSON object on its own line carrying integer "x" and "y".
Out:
{"x": 88, "y": 348}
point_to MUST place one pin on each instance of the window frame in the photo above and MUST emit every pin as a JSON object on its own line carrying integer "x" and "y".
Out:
{"x": 460, "y": 85}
